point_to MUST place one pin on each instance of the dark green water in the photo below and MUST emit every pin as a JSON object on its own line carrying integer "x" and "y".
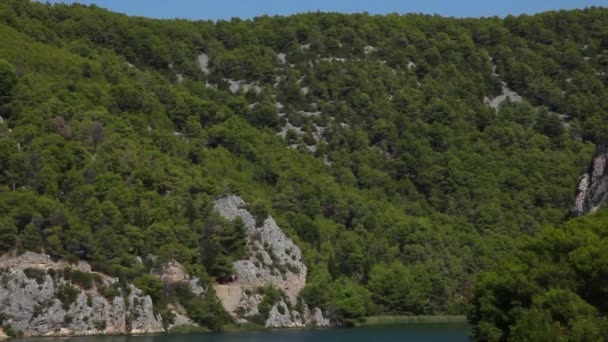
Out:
{"x": 394, "y": 333}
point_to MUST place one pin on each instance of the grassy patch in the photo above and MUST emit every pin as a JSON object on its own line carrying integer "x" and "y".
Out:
{"x": 249, "y": 326}
{"x": 386, "y": 320}
{"x": 189, "y": 329}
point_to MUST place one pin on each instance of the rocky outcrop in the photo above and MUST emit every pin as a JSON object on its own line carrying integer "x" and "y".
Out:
{"x": 141, "y": 313}
{"x": 281, "y": 317}
{"x": 273, "y": 259}
{"x": 203, "y": 62}
{"x": 507, "y": 93}
{"x": 592, "y": 187}
{"x": 170, "y": 274}
{"x": 42, "y": 297}
{"x": 317, "y": 318}
{"x": 179, "y": 319}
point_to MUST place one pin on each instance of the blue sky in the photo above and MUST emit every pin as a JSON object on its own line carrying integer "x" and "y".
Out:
{"x": 226, "y": 9}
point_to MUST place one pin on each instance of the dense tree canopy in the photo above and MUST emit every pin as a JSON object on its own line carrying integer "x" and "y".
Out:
{"x": 553, "y": 290}
{"x": 366, "y": 137}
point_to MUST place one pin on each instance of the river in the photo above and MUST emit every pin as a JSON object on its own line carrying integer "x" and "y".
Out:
{"x": 392, "y": 333}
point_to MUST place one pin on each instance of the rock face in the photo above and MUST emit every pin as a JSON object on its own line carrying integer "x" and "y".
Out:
{"x": 203, "y": 62}
{"x": 38, "y": 299}
{"x": 43, "y": 297}
{"x": 507, "y": 94}
{"x": 172, "y": 273}
{"x": 592, "y": 188}
{"x": 273, "y": 259}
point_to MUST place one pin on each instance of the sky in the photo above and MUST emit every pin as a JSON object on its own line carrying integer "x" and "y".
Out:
{"x": 226, "y": 9}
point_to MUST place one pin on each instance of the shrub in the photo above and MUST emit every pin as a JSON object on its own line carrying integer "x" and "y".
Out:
{"x": 259, "y": 211}
{"x": 150, "y": 285}
{"x": 35, "y": 273}
{"x": 272, "y": 295}
{"x": 109, "y": 292}
{"x": 206, "y": 311}
{"x": 82, "y": 279}
{"x": 67, "y": 294}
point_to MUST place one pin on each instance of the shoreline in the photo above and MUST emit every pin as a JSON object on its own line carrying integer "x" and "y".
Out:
{"x": 369, "y": 322}
{"x": 421, "y": 319}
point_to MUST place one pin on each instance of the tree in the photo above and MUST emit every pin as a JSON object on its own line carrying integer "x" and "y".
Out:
{"x": 128, "y": 97}
{"x": 264, "y": 114}
{"x": 350, "y": 301}
{"x": 543, "y": 292}
{"x": 8, "y": 234}
{"x": 8, "y": 79}
{"x": 400, "y": 289}
{"x": 150, "y": 285}
{"x": 31, "y": 240}
{"x": 222, "y": 242}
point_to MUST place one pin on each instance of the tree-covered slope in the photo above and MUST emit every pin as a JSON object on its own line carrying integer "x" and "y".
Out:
{"x": 366, "y": 137}
{"x": 553, "y": 289}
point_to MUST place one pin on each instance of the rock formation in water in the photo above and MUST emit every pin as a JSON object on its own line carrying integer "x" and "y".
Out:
{"x": 42, "y": 297}
{"x": 592, "y": 188}
{"x": 273, "y": 259}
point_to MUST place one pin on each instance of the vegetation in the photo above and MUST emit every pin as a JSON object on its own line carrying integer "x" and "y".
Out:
{"x": 150, "y": 285}
{"x": 35, "y": 273}
{"x": 207, "y": 311}
{"x": 400, "y": 319}
{"x": 398, "y": 183}
{"x": 270, "y": 296}
{"x": 67, "y": 294}
{"x": 188, "y": 329}
{"x": 552, "y": 290}
{"x": 83, "y": 279}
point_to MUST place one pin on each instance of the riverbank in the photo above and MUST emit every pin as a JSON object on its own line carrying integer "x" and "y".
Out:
{"x": 395, "y": 333}
{"x": 250, "y": 327}
{"x": 435, "y": 319}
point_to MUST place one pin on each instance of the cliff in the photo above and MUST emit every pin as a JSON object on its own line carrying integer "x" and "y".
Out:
{"x": 172, "y": 273}
{"x": 592, "y": 188}
{"x": 42, "y": 297}
{"x": 273, "y": 260}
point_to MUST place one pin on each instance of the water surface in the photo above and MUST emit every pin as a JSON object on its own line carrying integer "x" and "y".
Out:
{"x": 393, "y": 333}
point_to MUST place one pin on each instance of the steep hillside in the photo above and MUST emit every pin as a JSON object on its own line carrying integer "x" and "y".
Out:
{"x": 399, "y": 155}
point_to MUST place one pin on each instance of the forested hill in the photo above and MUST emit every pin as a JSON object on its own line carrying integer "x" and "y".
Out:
{"x": 404, "y": 154}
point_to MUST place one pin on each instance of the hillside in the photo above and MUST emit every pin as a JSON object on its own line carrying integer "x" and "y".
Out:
{"x": 402, "y": 155}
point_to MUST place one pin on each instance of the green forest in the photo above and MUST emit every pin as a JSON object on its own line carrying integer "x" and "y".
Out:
{"x": 366, "y": 137}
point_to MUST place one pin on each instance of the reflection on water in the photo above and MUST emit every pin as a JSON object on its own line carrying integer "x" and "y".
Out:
{"x": 412, "y": 332}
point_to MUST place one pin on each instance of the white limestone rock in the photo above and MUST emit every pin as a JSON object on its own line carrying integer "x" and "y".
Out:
{"x": 172, "y": 272}
{"x": 29, "y": 288}
{"x": 203, "y": 62}
{"x": 273, "y": 259}
{"x": 592, "y": 188}
{"x": 507, "y": 94}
